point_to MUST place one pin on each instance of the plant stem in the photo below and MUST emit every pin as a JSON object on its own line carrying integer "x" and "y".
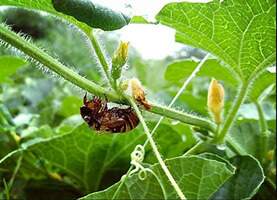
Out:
{"x": 235, "y": 147}
{"x": 183, "y": 117}
{"x": 262, "y": 119}
{"x": 194, "y": 149}
{"x": 263, "y": 131}
{"x": 6, "y": 190}
{"x": 18, "y": 164}
{"x": 182, "y": 89}
{"x": 231, "y": 117}
{"x": 122, "y": 182}
{"x": 100, "y": 55}
{"x": 156, "y": 152}
{"x": 34, "y": 52}
{"x": 51, "y": 63}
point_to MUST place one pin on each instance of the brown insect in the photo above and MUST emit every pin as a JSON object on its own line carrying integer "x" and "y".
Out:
{"x": 97, "y": 115}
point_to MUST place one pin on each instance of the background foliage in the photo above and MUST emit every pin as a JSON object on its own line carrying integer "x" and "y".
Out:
{"x": 46, "y": 151}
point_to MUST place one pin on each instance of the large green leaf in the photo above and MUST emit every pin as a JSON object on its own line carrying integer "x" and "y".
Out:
{"x": 245, "y": 183}
{"x": 133, "y": 188}
{"x": 8, "y": 66}
{"x": 180, "y": 70}
{"x": 91, "y": 159}
{"x": 85, "y": 13}
{"x": 198, "y": 177}
{"x": 239, "y": 32}
{"x": 87, "y": 157}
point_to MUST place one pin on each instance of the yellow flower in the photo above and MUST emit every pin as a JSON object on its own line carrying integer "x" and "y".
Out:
{"x": 216, "y": 100}
{"x": 119, "y": 59}
{"x": 121, "y": 54}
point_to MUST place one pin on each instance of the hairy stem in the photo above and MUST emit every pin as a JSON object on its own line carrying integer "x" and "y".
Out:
{"x": 155, "y": 150}
{"x": 231, "y": 117}
{"x": 51, "y": 63}
{"x": 36, "y": 53}
{"x": 100, "y": 55}
{"x": 184, "y": 117}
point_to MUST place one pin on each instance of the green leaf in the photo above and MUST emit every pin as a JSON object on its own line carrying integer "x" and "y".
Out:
{"x": 245, "y": 135}
{"x": 70, "y": 106}
{"x": 168, "y": 136}
{"x": 96, "y": 161}
{"x": 198, "y": 177}
{"x": 133, "y": 188}
{"x": 180, "y": 70}
{"x": 97, "y": 17}
{"x": 92, "y": 14}
{"x": 86, "y": 156}
{"x": 8, "y": 66}
{"x": 261, "y": 84}
{"x": 241, "y": 33}
{"x": 245, "y": 183}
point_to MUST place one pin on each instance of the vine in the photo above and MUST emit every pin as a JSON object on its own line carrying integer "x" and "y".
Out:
{"x": 36, "y": 53}
{"x": 68, "y": 74}
{"x": 156, "y": 152}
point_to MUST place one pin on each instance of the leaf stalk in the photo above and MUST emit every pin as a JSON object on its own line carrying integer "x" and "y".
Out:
{"x": 231, "y": 117}
{"x": 156, "y": 151}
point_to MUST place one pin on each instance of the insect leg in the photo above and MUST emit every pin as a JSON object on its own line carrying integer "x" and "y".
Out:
{"x": 105, "y": 103}
{"x": 85, "y": 99}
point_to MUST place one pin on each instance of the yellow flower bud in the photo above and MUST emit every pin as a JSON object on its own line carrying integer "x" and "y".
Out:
{"x": 124, "y": 85}
{"x": 119, "y": 59}
{"x": 121, "y": 54}
{"x": 216, "y": 100}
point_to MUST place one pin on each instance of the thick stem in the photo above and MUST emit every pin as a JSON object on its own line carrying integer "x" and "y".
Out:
{"x": 231, "y": 117}
{"x": 34, "y": 52}
{"x": 51, "y": 63}
{"x": 184, "y": 117}
{"x": 156, "y": 152}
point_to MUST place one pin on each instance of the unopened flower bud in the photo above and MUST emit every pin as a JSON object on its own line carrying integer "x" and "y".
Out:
{"x": 119, "y": 59}
{"x": 216, "y": 100}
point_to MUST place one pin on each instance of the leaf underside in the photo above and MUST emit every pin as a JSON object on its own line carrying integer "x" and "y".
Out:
{"x": 239, "y": 32}
{"x": 197, "y": 177}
